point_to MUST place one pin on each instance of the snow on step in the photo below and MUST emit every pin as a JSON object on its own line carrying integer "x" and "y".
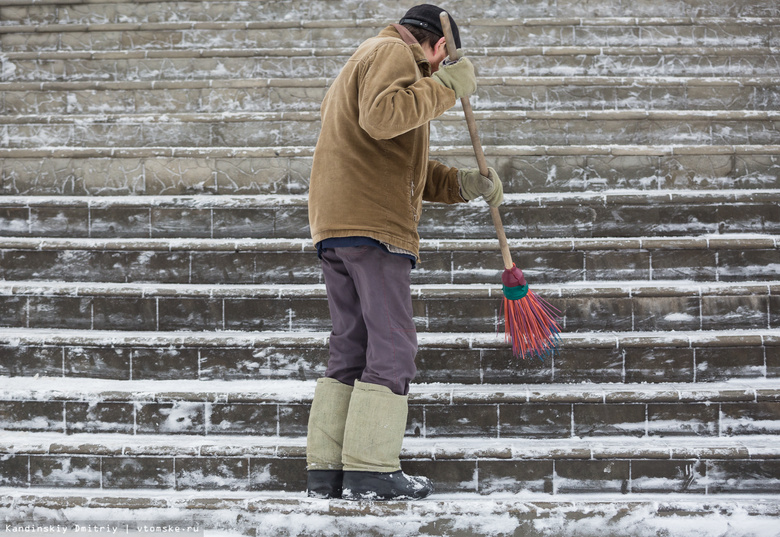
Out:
{"x": 291, "y": 513}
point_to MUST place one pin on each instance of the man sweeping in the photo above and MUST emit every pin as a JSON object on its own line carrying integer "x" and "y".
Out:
{"x": 370, "y": 174}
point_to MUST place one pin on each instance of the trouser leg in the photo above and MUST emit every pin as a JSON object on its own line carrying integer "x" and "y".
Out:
{"x": 374, "y": 337}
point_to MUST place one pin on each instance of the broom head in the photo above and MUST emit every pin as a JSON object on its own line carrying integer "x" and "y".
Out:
{"x": 529, "y": 321}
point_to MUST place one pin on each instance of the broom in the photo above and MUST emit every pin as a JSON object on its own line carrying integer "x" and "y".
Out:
{"x": 529, "y": 321}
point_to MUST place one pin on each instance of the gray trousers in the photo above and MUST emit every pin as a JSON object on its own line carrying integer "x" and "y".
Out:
{"x": 369, "y": 297}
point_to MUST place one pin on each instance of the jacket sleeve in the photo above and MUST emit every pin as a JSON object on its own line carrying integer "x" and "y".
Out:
{"x": 442, "y": 185}
{"x": 391, "y": 99}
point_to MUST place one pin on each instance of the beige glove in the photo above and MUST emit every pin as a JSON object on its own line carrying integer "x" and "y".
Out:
{"x": 458, "y": 76}
{"x": 473, "y": 185}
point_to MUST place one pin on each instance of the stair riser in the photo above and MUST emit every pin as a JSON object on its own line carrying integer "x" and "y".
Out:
{"x": 494, "y": 132}
{"x": 120, "y": 12}
{"x": 483, "y": 476}
{"x": 572, "y": 364}
{"x": 283, "y": 175}
{"x": 329, "y": 66}
{"x": 435, "y": 315}
{"x": 488, "y": 97}
{"x": 715, "y": 34}
{"x": 540, "y": 266}
{"x": 485, "y": 421}
{"x": 438, "y": 222}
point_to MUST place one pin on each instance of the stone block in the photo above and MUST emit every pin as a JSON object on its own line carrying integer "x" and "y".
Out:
{"x": 14, "y": 471}
{"x": 515, "y": 476}
{"x": 734, "y": 312}
{"x": 461, "y": 420}
{"x": 609, "y": 420}
{"x": 114, "y": 313}
{"x": 740, "y": 476}
{"x": 207, "y": 473}
{"x": 659, "y": 364}
{"x": 138, "y": 473}
{"x": 617, "y": 265}
{"x": 698, "y": 265}
{"x": 591, "y": 476}
{"x": 447, "y": 475}
{"x": 81, "y": 472}
{"x": 682, "y": 419}
{"x": 276, "y": 314}
{"x": 181, "y": 223}
{"x": 158, "y": 267}
{"x": 719, "y": 364}
{"x": 750, "y": 418}
{"x": 97, "y": 362}
{"x": 179, "y": 176}
{"x": 193, "y": 314}
{"x": 29, "y": 361}
{"x": 438, "y": 365}
{"x": 499, "y": 366}
{"x": 588, "y": 365}
{"x": 231, "y": 268}
{"x": 592, "y": 313}
{"x": 277, "y": 474}
{"x": 244, "y": 419}
{"x": 32, "y": 416}
{"x": 297, "y": 363}
{"x": 165, "y": 363}
{"x": 234, "y": 363}
{"x": 15, "y": 222}
{"x": 535, "y": 421}
{"x": 294, "y": 419}
{"x": 56, "y": 311}
{"x": 170, "y": 418}
{"x": 120, "y": 222}
{"x": 246, "y": 223}
{"x": 666, "y": 313}
{"x": 668, "y": 476}
{"x": 99, "y": 417}
{"x": 14, "y": 311}
{"x": 114, "y": 176}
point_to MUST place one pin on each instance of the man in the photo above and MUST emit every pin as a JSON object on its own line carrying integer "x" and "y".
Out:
{"x": 370, "y": 175}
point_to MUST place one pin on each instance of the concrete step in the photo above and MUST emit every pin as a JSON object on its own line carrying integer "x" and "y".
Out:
{"x": 604, "y": 31}
{"x": 306, "y": 94}
{"x": 612, "y": 213}
{"x": 285, "y": 170}
{"x": 593, "y": 466}
{"x": 496, "y": 128}
{"x": 280, "y": 408}
{"x": 288, "y": 514}
{"x": 82, "y": 12}
{"x": 221, "y": 64}
{"x": 466, "y": 358}
{"x": 737, "y": 257}
{"x": 590, "y": 307}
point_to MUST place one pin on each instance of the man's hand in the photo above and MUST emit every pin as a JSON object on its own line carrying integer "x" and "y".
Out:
{"x": 458, "y": 76}
{"x": 473, "y": 185}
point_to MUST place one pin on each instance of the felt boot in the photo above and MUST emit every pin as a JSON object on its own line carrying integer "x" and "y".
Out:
{"x": 325, "y": 437}
{"x": 372, "y": 444}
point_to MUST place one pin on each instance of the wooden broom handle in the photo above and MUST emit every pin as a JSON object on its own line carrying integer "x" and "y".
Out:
{"x": 452, "y": 50}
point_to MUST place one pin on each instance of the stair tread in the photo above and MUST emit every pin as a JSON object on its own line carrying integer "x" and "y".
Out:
{"x": 756, "y": 447}
{"x": 292, "y": 391}
{"x": 622, "y": 288}
{"x": 758, "y": 336}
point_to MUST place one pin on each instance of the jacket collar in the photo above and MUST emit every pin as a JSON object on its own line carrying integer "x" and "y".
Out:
{"x": 399, "y": 32}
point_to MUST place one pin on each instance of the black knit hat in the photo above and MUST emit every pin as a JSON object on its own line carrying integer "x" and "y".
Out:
{"x": 427, "y": 16}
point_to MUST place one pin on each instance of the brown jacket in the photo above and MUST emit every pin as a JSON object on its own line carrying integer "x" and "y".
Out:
{"x": 371, "y": 169}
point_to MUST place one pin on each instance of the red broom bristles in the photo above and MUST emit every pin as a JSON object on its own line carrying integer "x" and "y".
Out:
{"x": 530, "y": 325}
{"x": 529, "y": 321}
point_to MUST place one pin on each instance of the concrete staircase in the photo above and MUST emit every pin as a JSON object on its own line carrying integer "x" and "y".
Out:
{"x": 163, "y": 318}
